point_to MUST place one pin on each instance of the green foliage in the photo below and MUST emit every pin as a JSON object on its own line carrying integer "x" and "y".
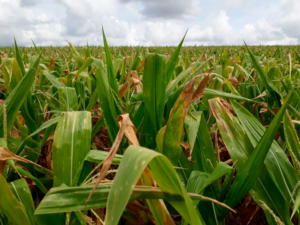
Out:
{"x": 71, "y": 144}
{"x": 213, "y": 123}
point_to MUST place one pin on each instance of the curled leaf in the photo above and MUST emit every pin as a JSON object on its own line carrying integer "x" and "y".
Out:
{"x": 6, "y": 155}
{"x": 126, "y": 127}
{"x": 200, "y": 89}
{"x": 125, "y": 87}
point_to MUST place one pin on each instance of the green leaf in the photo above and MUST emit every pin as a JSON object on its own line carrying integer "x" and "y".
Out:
{"x": 170, "y": 67}
{"x": 14, "y": 210}
{"x": 78, "y": 58}
{"x": 50, "y": 219}
{"x": 231, "y": 87}
{"x": 292, "y": 139}
{"x": 117, "y": 65}
{"x": 27, "y": 174}
{"x": 85, "y": 65}
{"x": 112, "y": 81}
{"x": 95, "y": 156}
{"x": 107, "y": 102}
{"x": 240, "y": 148}
{"x": 185, "y": 168}
{"x": 98, "y": 156}
{"x": 16, "y": 98}
{"x": 70, "y": 199}
{"x": 169, "y": 137}
{"x": 79, "y": 86}
{"x": 277, "y": 163}
{"x": 154, "y": 95}
{"x": 297, "y": 204}
{"x": 19, "y": 58}
{"x": 53, "y": 80}
{"x": 23, "y": 194}
{"x": 71, "y": 144}
{"x": 68, "y": 99}
{"x": 203, "y": 151}
{"x": 27, "y": 108}
{"x": 3, "y": 219}
{"x": 214, "y": 86}
{"x": 35, "y": 47}
{"x": 271, "y": 88}
{"x": 197, "y": 187}
{"x": 248, "y": 175}
{"x": 294, "y": 112}
{"x": 162, "y": 172}
{"x": 297, "y": 56}
{"x": 199, "y": 180}
{"x": 136, "y": 63}
{"x": 45, "y": 125}
{"x": 191, "y": 127}
{"x": 100, "y": 123}
{"x": 92, "y": 100}
{"x": 226, "y": 95}
{"x": 174, "y": 83}
{"x": 12, "y": 74}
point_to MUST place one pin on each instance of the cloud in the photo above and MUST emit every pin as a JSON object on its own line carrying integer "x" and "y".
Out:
{"x": 27, "y": 3}
{"x": 233, "y": 4}
{"x": 167, "y": 9}
{"x": 289, "y": 17}
{"x": 13, "y": 22}
{"x": 149, "y": 22}
{"x": 265, "y": 33}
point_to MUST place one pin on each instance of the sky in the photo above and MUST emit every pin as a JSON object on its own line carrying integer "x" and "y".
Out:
{"x": 150, "y": 22}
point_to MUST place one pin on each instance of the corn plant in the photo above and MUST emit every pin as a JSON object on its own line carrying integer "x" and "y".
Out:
{"x": 149, "y": 135}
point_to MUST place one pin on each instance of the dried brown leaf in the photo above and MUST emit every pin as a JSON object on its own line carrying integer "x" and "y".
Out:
{"x": 5, "y": 155}
{"x": 124, "y": 121}
{"x": 204, "y": 56}
{"x": 227, "y": 105}
{"x": 229, "y": 162}
{"x": 125, "y": 87}
{"x": 137, "y": 81}
{"x": 192, "y": 65}
{"x": 200, "y": 89}
{"x": 230, "y": 71}
{"x": 186, "y": 148}
{"x": 264, "y": 106}
{"x": 232, "y": 80}
{"x": 2, "y": 88}
{"x": 212, "y": 108}
{"x": 99, "y": 144}
{"x": 52, "y": 64}
{"x": 141, "y": 212}
{"x": 14, "y": 133}
{"x": 260, "y": 96}
{"x": 168, "y": 57}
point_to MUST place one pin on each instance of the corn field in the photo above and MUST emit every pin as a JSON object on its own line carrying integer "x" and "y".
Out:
{"x": 149, "y": 135}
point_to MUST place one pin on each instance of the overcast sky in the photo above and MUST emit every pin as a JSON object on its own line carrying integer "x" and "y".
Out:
{"x": 150, "y": 22}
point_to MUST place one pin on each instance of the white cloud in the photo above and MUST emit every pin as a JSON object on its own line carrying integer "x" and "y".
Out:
{"x": 150, "y": 22}
{"x": 289, "y": 17}
{"x": 264, "y": 33}
{"x": 27, "y": 3}
{"x": 233, "y": 4}
{"x": 179, "y": 9}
